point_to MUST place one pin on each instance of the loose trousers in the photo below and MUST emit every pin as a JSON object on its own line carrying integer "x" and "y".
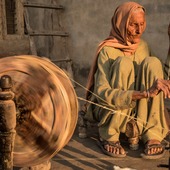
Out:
{"x": 149, "y": 113}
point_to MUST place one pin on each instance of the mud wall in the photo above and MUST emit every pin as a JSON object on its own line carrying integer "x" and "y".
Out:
{"x": 88, "y": 22}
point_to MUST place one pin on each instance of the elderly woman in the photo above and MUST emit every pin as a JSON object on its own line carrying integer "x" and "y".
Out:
{"x": 128, "y": 82}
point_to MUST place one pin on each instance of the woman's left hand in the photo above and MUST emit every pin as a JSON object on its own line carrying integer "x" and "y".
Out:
{"x": 158, "y": 86}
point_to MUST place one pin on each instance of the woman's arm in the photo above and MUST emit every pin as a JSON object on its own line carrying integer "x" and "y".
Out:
{"x": 116, "y": 98}
{"x": 160, "y": 84}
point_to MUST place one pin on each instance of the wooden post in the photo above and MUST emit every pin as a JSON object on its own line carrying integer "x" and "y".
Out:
{"x": 7, "y": 123}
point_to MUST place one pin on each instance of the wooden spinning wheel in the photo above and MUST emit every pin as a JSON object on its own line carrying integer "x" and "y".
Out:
{"x": 46, "y": 106}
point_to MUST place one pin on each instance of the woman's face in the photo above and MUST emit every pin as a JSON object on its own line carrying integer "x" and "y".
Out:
{"x": 136, "y": 26}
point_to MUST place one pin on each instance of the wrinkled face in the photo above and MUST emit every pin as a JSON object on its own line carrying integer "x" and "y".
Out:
{"x": 136, "y": 26}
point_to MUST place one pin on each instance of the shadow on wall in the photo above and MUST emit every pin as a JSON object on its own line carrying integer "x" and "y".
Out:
{"x": 81, "y": 74}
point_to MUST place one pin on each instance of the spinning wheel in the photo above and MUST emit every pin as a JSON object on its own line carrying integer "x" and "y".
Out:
{"x": 46, "y": 106}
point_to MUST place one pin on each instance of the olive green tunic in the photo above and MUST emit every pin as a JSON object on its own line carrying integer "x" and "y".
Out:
{"x": 116, "y": 78}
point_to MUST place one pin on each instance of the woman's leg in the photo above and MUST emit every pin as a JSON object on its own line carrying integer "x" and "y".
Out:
{"x": 111, "y": 123}
{"x": 150, "y": 112}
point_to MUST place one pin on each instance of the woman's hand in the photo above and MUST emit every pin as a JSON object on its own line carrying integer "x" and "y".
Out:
{"x": 158, "y": 86}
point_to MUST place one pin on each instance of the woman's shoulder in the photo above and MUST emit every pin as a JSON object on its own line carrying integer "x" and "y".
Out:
{"x": 143, "y": 49}
{"x": 109, "y": 48}
{"x": 143, "y": 43}
{"x": 111, "y": 52}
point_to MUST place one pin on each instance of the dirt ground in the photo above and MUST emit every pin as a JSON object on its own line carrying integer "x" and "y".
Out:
{"x": 84, "y": 154}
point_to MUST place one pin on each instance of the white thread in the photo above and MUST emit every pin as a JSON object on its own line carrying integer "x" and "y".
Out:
{"x": 148, "y": 94}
